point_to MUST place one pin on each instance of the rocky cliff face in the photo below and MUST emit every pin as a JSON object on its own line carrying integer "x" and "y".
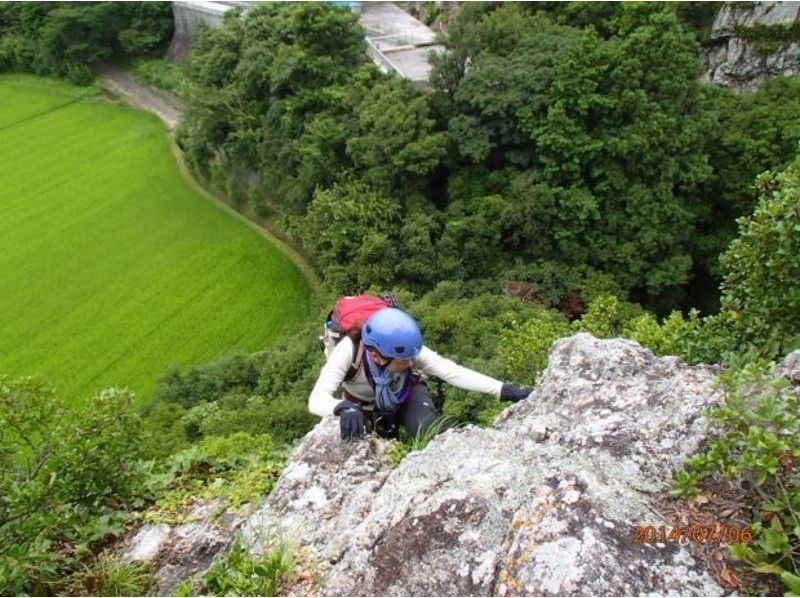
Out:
{"x": 542, "y": 503}
{"x": 744, "y": 65}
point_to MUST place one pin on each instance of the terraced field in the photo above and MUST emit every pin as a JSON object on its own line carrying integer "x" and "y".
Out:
{"x": 112, "y": 267}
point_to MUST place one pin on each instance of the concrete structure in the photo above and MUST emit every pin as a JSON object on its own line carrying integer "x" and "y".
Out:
{"x": 397, "y": 42}
{"x": 188, "y": 15}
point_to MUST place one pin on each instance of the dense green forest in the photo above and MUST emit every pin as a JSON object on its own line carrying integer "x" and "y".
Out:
{"x": 565, "y": 152}
{"x": 68, "y": 38}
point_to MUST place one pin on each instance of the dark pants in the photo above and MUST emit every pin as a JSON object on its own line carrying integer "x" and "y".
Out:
{"x": 416, "y": 414}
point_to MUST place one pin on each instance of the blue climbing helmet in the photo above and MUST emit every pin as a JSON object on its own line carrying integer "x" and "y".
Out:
{"x": 392, "y": 333}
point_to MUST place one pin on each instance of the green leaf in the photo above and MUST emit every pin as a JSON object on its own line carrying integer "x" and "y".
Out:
{"x": 741, "y": 552}
{"x": 769, "y": 568}
{"x": 793, "y": 344}
{"x": 774, "y": 540}
{"x": 792, "y": 582}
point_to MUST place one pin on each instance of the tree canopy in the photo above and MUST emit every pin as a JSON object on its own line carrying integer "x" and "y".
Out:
{"x": 557, "y": 142}
{"x": 66, "y": 38}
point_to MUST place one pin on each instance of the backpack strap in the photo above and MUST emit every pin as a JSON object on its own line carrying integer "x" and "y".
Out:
{"x": 356, "y": 365}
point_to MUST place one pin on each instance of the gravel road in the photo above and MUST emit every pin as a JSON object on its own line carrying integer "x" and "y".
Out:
{"x": 137, "y": 95}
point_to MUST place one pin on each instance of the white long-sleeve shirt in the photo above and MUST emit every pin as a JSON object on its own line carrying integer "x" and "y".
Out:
{"x": 322, "y": 401}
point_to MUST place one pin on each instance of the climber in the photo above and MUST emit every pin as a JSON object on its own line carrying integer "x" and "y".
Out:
{"x": 383, "y": 377}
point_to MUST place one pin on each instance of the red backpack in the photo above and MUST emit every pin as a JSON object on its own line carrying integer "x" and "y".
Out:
{"x": 346, "y": 318}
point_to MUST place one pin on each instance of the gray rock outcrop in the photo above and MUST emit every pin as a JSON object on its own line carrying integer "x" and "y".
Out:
{"x": 544, "y": 502}
{"x": 186, "y": 550}
{"x": 741, "y": 65}
{"x": 789, "y": 368}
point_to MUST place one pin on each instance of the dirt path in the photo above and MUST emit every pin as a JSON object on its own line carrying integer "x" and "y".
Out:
{"x": 120, "y": 82}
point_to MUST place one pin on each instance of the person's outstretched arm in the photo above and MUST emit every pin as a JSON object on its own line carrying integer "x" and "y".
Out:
{"x": 431, "y": 363}
{"x": 321, "y": 401}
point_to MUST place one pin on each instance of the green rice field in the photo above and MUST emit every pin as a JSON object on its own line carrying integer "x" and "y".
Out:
{"x": 112, "y": 266}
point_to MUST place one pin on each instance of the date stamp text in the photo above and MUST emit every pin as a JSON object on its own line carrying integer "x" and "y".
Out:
{"x": 695, "y": 534}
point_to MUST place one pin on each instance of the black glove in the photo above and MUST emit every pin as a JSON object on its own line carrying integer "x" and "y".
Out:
{"x": 512, "y": 393}
{"x": 386, "y": 424}
{"x": 352, "y": 421}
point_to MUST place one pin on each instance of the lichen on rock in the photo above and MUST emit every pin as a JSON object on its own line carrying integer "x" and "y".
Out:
{"x": 543, "y": 502}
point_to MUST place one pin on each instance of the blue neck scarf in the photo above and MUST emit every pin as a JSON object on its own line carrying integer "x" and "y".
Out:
{"x": 390, "y": 389}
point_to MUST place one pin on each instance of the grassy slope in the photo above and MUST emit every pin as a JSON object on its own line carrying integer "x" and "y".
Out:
{"x": 111, "y": 266}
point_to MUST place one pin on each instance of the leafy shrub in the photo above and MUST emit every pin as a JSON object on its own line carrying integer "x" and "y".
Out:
{"x": 598, "y": 283}
{"x": 66, "y": 39}
{"x": 755, "y": 132}
{"x": 759, "y": 448}
{"x": 292, "y": 362}
{"x": 606, "y": 316}
{"x": 676, "y": 335}
{"x": 16, "y": 52}
{"x": 761, "y": 288}
{"x": 467, "y": 326}
{"x": 768, "y": 39}
{"x": 284, "y": 417}
{"x": 235, "y": 412}
{"x": 265, "y": 392}
{"x": 200, "y": 384}
{"x": 77, "y": 73}
{"x": 219, "y": 454}
{"x": 238, "y": 469}
{"x": 463, "y": 407}
{"x": 461, "y": 324}
{"x": 690, "y": 338}
{"x": 602, "y": 318}
{"x": 67, "y": 479}
{"x": 167, "y": 434}
{"x": 235, "y": 190}
{"x": 287, "y": 417}
{"x": 240, "y": 574}
{"x": 549, "y": 281}
{"x": 350, "y": 252}
{"x": 524, "y": 346}
{"x": 160, "y": 74}
{"x": 288, "y": 372}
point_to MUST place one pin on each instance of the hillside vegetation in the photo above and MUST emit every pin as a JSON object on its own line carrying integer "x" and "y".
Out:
{"x": 576, "y": 144}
